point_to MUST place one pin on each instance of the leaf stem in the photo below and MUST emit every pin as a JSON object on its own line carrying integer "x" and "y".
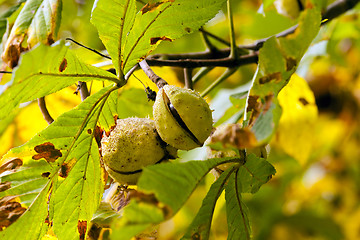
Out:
{"x": 233, "y": 47}
{"x": 44, "y": 110}
{"x": 202, "y": 72}
{"x": 228, "y": 72}
{"x": 188, "y": 78}
{"x": 84, "y": 92}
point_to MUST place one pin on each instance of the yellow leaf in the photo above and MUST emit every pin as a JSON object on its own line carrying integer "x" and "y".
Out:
{"x": 295, "y": 132}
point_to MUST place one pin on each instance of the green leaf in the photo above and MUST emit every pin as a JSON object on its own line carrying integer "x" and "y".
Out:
{"x": 137, "y": 217}
{"x": 200, "y": 226}
{"x": 128, "y": 103}
{"x": 73, "y": 170}
{"x": 45, "y": 70}
{"x": 129, "y": 38}
{"x": 113, "y": 24}
{"x": 160, "y": 179}
{"x": 39, "y": 20}
{"x": 236, "y": 211}
{"x": 278, "y": 60}
{"x": 253, "y": 174}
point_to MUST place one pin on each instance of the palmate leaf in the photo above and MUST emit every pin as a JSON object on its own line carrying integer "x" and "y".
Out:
{"x": 45, "y": 70}
{"x": 200, "y": 226}
{"x": 39, "y": 20}
{"x": 278, "y": 59}
{"x": 158, "y": 180}
{"x": 73, "y": 173}
{"x": 130, "y": 38}
{"x": 236, "y": 211}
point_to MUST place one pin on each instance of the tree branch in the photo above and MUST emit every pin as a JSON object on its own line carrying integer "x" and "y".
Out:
{"x": 200, "y": 62}
{"x": 44, "y": 111}
{"x": 150, "y": 73}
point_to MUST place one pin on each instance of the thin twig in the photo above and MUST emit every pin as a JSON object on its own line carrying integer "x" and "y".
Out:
{"x": 219, "y": 39}
{"x": 84, "y": 92}
{"x": 188, "y": 78}
{"x": 233, "y": 48}
{"x": 228, "y": 72}
{"x": 150, "y": 73}
{"x": 93, "y": 50}
{"x": 195, "y": 63}
{"x": 44, "y": 110}
{"x": 207, "y": 43}
{"x": 202, "y": 72}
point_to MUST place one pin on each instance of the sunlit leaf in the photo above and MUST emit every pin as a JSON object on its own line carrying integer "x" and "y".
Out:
{"x": 72, "y": 168}
{"x": 236, "y": 211}
{"x": 39, "y": 20}
{"x": 32, "y": 224}
{"x": 298, "y": 119}
{"x": 130, "y": 38}
{"x": 45, "y": 70}
{"x": 200, "y": 226}
{"x": 278, "y": 59}
{"x": 113, "y": 24}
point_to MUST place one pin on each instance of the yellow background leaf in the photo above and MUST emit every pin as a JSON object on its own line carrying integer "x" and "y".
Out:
{"x": 297, "y": 120}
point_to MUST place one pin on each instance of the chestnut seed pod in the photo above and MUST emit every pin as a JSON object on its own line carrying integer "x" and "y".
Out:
{"x": 133, "y": 144}
{"x": 183, "y": 118}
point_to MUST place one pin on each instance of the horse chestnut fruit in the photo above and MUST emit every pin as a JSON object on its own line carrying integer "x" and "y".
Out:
{"x": 133, "y": 144}
{"x": 183, "y": 118}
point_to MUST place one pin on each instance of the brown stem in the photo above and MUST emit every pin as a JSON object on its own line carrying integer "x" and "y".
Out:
{"x": 188, "y": 78}
{"x": 44, "y": 111}
{"x": 217, "y": 62}
{"x": 150, "y": 73}
{"x": 84, "y": 92}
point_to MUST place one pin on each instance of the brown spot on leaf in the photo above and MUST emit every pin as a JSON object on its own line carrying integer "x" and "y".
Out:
{"x": 47, "y": 150}
{"x": 66, "y": 168}
{"x": 273, "y": 76}
{"x": 10, "y": 211}
{"x": 98, "y": 135}
{"x": 187, "y": 29}
{"x": 303, "y": 101}
{"x": 45, "y": 174}
{"x": 290, "y": 63}
{"x": 196, "y": 236}
{"x": 149, "y": 7}
{"x": 11, "y": 165}
{"x": 63, "y": 65}
{"x": 89, "y": 131}
{"x": 252, "y": 103}
{"x": 155, "y": 40}
{"x": 235, "y": 136}
{"x": 82, "y": 226}
{"x": 5, "y": 186}
{"x": 258, "y": 106}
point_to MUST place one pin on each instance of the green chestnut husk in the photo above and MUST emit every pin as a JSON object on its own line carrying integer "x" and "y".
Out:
{"x": 133, "y": 144}
{"x": 183, "y": 118}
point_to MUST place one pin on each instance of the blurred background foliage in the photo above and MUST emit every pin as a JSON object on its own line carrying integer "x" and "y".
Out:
{"x": 315, "y": 193}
